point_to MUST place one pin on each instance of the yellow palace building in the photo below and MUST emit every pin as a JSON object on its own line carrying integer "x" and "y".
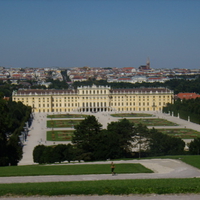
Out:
{"x": 94, "y": 99}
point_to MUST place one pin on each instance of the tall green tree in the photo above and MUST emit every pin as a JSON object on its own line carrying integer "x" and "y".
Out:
{"x": 121, "y": 137}
{"x": 14, "y": 150}
{"x": 86, "y": 134}
{"x": 162, "y": 144}
{"x": 142, "y": 138}
{"x": 4, "y": 123}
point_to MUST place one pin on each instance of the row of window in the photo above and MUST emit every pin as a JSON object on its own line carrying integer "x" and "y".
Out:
{"x": 56, "y": 105}
{"x": 101, "y": 104}
{"x": 133, "y": 104}
{"x": 119, "y": 109}
{"x": 115, "y": 97}
{"x": 94, "y": 92}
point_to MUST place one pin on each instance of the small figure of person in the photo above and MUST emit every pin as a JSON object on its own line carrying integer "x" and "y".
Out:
{"x": 112, "y": 168}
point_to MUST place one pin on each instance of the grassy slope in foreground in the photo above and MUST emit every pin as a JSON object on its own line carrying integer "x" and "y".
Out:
{"x": 103, "y": 187}
{"x": 76, "y": 169}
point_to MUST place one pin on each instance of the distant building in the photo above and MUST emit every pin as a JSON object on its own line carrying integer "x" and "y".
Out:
{"x": 187, "y": 96}
{"x": 145, "y": 67}
{"x": 157, "y": 79}
{"x": 94, "y": 99}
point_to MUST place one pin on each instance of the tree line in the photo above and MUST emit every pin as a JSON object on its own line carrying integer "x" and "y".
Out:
{"x": 13, "y": 117}
{"x": 90, "y": 142}
{"x": 177, "y": 84}
{"x": 185, "y": 109}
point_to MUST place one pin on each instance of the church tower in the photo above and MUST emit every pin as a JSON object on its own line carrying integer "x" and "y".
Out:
{"x": 148, "y": 63}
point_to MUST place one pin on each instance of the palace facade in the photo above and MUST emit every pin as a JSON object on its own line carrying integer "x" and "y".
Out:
{"x": 94, "y": 99}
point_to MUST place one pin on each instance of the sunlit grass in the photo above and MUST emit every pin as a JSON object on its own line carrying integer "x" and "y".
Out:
{"x": 74, "y": 169}
{"x": 104, "y": 187}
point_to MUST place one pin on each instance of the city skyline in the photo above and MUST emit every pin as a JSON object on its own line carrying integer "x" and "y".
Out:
{"x": 103, "y": 33}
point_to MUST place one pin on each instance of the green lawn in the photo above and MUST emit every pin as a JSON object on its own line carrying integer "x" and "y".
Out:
{"x": 62, "y": 123}
{"x": 67, "y": 116}
{"x": 131, "y": 115}
{"x": 75, "y": 169}
{"x": 103, "y": 187}
{"x": 65, "y": 135}
{"x": 153, "y": 122}
{"x": 183, "y": 133}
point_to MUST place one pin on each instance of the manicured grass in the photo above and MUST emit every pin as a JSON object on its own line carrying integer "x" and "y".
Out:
{"x": 75, "y": 169}
{"x": 183, "y": 133}
{"x": 62, "y": 123}
{"x": 131, "y": 115}
{"x": 104, "y": 187}
{"x": 193, "y": 160}
{"x": 153, "y": 122}
{"x": 59, "y": 135}
{"x": 67, "y": 116}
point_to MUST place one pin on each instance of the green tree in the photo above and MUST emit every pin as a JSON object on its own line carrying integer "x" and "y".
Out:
{"x": 194, "y": 147}
{"x": 38, "y": 154}
{"x": 120, "y": 136}
{"x": 141, "y": 138}
{"x": 69, "y": 153}
{"x": 162, "y": 144}
{"x": 14, "y": 150}
{"x": 4, "y": 123}
{"x": 85, "y": 136}
{"x": 58, "y": 152}
{"x": 47, "y": 154}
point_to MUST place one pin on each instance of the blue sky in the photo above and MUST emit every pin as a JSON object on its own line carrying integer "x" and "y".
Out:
{"x": 100, "y": 33}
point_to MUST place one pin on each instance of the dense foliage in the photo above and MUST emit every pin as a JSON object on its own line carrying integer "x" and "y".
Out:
{"x": 91, "y": 142}
{"x": 13, "y": 116}
{"x": 51, "y": 154}
{"x": 185, "y": 109}
{"x": 177, "y": 84}
{"x": 183, "y": 84}
{"x": 56, "y": 84}
{"x": 194, "y": 146}
{"x": 162, "y": 144}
